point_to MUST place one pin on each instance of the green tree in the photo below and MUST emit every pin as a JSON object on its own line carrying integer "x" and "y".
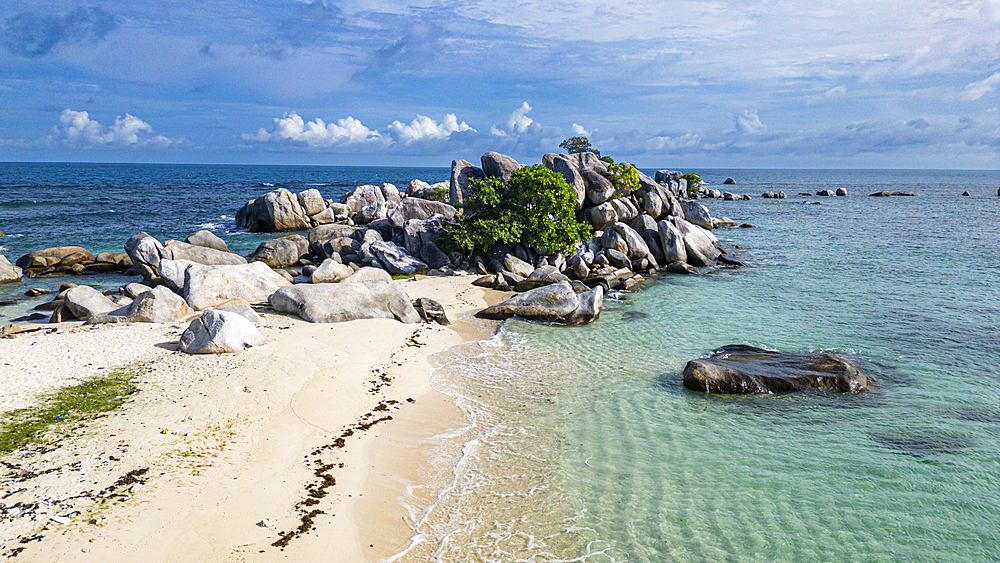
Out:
{"x": 624, "y": 178}
{"x": 579, "y": 144}
{"x": 537, "y": 208}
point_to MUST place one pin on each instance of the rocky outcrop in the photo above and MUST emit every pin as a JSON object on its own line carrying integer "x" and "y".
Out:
{"x": 552, "y": 303}
{"x": 282, "y": 252}
{"x": 207, "y": 239}
{"x": 9, "y": 273}
{"x": 207, "y": 286}
{"x": 342, "y": 302}
{"x": 273, "y": 212}
{"x": 177, "y": 250}
{"x": 740, "y": 369}
{"x": 433, "y": 192}
{"x": 415, "y": 208}
{"x": 60, "y": 259}
{"x": 146, "y": 253}
{"x": 498, "y": 165}
{"x": 461, "y": 172}
{"x": 699, "y": 244}
{"x": 220, "y": 332}
{"x": 85, "y": 302}
{"x": 158, "y": 305}
{"x": 331, "y": 271}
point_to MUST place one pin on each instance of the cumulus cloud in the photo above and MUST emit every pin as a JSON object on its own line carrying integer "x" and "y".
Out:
{"x": 579, "y": 131}
{"x": 424, "y": 127}
{"x": 33, "y": 35}
{"x": 519, "y": 120}
{"x": 77, "y": 128}
{"x": 748, "y": 122}
{"x": 317, "y": 133}
{"x": 979, "y": 89}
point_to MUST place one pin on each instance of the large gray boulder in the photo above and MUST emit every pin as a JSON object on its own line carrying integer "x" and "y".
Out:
{"x": 395, "y": 259}
{"x": 177, "y": 250}
{"x": 85, "y": 302}
{"x": 282, "y": 252}
{"x": 9, "y": 273}
{"x": 562, "y": 164}
{"x": 273, "y": 212}
{"x": 699, "y": 244}
{"x": 311, "y": 202}
{"x": 542, "y": 276}
{"x": 145, "y": 252}
{"x": 341, "y": 302}
{"x": 361, "y": 197}
{"x": 418, "y": 232}
{"x": 697, "y": 214}
{"x": 498, "y": 165}
{"x": 207, "y": 239}
{"x": 741, "y": 369}
{"x": 220, "y": 332}
{"x": 158, "y": 305}
{"x": 599, "y": 188}
{"x": 461, "y": 172}
{"x": 626, "y": 240}
{"x": 647, "y": 228}
{"x": 415, "y": 208}
{"x": 602, "y": 215}
{"x": 331, "y": 271}
{"x": 434, "y": 192}
{"x": 367, "y": 273}
{"x": 207, "y": 286}
{"x": 557, "y": 302}
{"x": 672, "y": 243}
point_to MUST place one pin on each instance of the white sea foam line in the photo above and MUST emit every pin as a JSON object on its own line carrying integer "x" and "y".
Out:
{"x": 35, "y": 363}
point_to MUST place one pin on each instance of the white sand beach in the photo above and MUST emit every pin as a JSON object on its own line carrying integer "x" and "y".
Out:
{"x": 219, "y": 458}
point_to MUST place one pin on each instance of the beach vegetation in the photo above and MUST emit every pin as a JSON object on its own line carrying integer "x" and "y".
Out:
{"x": 536, "y": 207}
{"x": 624, "y": 177}
{"x": 64, "y": 409}
{"x": 437, "y": 194}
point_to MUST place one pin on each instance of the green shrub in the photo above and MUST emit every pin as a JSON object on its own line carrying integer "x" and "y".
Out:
{"x": 536, "y": 207}
{"x": 438, "y": 194}
{"x": 625, "y": 179}
{"x": 692, "y": 178}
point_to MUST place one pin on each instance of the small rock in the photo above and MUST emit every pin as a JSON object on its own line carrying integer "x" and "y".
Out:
{"x": 266, "y": 523}
{"x": 60, "y": 519}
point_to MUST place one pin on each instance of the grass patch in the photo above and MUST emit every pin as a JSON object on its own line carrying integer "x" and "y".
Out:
{"x": 63, "y": 409}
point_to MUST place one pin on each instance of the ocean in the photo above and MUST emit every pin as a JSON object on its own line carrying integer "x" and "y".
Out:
{"x": 583, "y": 443}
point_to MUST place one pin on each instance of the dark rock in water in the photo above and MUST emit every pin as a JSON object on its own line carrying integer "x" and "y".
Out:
{"x": 634, "y": 315}
{"x": 905, "y": 194}
{"x": 557, "y": 302}
{"x": 881, "y": 194}
{"x": 682, "y": 268}
{"x": 746, "y": 226}
{"x": 431, "y": 311}
{"x": 966, "y": 193}
{"x": 921, "y": 444}
{"x": 806, "y": 194}
{"x": 740, "y": 369}
{"x": 729, "y": 181}
{"x": 731, "y": 261}
{"x": 826, "y": 193}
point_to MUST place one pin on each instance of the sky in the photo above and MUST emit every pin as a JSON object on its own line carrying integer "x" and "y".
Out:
{"x": 668, "y": 84}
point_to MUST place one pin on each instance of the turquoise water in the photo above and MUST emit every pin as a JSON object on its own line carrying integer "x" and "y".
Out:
{"x": 584, "y": 444}
{"x": 587, "y": 447}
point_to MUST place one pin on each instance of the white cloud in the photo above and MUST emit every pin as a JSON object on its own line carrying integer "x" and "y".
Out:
{"x": 579, "y": 131}
{"x": 316, "y": 133}
{"x": 424, "y": 127}
{"x": 979, "y": 89}
{"x": 76, "y": 127}
{"x": 518, "y": 122}
{"x": 748, "y": 122}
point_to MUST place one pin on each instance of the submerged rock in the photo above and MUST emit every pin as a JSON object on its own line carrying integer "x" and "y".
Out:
{"x": 740, "y": 369}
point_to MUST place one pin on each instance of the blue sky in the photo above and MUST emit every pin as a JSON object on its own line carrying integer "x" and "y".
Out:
{"x": 749, "y": 83}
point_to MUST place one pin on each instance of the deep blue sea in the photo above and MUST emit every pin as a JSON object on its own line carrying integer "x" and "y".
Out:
{"x": 584, "y": 444}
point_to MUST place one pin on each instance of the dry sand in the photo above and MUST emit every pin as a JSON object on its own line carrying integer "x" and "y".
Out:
{"x": 314, "y": 431}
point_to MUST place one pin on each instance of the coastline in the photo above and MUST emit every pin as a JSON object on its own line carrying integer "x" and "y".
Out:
{"x": 218, "y": 444}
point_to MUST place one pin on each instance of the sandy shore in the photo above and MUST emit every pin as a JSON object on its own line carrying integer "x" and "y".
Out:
{"x": 312, "y": 433}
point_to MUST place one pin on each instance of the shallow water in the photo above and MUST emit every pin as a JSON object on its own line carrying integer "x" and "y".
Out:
{"x": 588, "y": 448}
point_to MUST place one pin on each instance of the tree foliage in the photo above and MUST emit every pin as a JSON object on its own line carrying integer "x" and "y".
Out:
{"x": 579, "y": 144}
{"x": 624, "y": 177}
{"x": 536, "y": 207}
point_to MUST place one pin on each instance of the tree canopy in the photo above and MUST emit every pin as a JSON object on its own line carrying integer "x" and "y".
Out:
{"x": 578, "y": 144}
